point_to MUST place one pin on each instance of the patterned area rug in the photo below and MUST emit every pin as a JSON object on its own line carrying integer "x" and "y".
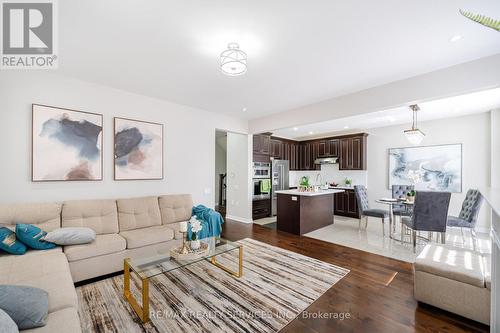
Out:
{"x": 276, "y": 286}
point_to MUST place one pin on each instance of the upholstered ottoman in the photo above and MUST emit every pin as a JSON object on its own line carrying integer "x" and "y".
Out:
{"x": 454, "y": 279}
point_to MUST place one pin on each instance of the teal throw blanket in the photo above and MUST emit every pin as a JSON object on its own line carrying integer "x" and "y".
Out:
{"x": 210, "y": 220}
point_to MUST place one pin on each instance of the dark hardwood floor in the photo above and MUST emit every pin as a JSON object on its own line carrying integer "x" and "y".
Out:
{"x": 377, "y": 293}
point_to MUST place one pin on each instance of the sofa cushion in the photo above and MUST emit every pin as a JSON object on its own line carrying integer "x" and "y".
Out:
{"x": 103, "y": 244}
{"x": 9, "y": 242}
{"x": 47, "y": 270}
{"x": 27, "y": 306}
{"x": 453, "y": 263}
{"x": 64, "y": 320}
{"x": 176, "y": 228}
{"x": 175, "y": 208}
{"x": 99, "y": 215}
{"x": 46, "y": 216}
{"x": 147, "y": 236}
{"x": 32, "y": 236}
{"x": 138, "y": 213}
{"x": 7, "y": 325}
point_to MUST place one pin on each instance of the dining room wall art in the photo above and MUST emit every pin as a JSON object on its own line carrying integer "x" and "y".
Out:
{"x": 431, "y": 168}
{"x": 66, "y": 144}
{"x": 138, "y": 149}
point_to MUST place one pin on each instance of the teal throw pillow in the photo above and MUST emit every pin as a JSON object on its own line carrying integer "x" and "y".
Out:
{"x": 33, "y": 237}
{"x": 9, "y": 243}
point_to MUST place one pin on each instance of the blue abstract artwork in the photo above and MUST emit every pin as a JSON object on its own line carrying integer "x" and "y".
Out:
{"x": 138, "y": 150}
{"x": 67, "y": 144}
{"x": 429, "y": 168}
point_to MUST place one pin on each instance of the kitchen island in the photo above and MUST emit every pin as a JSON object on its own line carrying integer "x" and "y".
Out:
{"x": 303, "y": 212}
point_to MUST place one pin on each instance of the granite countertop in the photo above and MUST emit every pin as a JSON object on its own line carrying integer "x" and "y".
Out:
{"x": 310, "y": 194}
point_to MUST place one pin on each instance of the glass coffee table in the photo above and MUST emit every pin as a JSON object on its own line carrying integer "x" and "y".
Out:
{"x": 146, "y": 268}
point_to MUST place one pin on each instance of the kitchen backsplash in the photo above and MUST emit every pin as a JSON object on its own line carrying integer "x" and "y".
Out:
{"x": 330, "y": 173}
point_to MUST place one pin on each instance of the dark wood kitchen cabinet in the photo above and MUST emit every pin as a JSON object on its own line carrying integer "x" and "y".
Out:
{"x": 346, "y": 204}
{"x": 353, "y": 152}
{"x": 308, "y": 152}
{"x": 305, "y": 156}
{"x": 328, "y": 148}
{"x": 350, "y": 149}
{"x": 261, "y": 208}
{"x": 333, "y": 147}
{"x": 294, "y": 148}
{"x": 261, "y": 144}
{"x": 277, "y": 149}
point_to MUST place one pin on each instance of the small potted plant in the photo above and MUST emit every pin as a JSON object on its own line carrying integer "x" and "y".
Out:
{"x": 303, "y": 183}
{"x": 410, "y": 196}
{"x": 348, "y": 182}
{"x": 195, "y": 229}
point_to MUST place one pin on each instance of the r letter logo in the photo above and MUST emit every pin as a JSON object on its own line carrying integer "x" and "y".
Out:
{"x": 28, "y": 35}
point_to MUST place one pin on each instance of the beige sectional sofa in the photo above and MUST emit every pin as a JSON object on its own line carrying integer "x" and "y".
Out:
{"x": 454, "y": 279}
{"x": 125, "y": 228}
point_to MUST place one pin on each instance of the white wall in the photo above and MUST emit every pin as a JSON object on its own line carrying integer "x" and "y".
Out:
{"x": 220, "y": 163}
{"x": 189, "y": 136}
{"x": 495, "y": 148}
{"x": 238, "y": 191}
{"x": 472, "y": 131}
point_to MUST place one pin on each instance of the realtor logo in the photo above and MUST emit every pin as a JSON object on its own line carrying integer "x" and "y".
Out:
{"x": 28, "y": 35}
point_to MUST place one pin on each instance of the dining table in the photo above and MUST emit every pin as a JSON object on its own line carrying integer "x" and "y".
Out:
{"x": 391, "y": 202}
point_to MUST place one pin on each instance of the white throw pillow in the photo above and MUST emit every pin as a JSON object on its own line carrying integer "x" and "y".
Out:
{"x": 71, "y": 236}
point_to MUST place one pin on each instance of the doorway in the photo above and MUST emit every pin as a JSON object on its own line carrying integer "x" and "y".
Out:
{"x": 220, "y": 172}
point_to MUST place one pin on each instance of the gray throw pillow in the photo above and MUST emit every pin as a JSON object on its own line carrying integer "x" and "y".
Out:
{"x": 27, "y": 306}
{"x": 7, "y": 325}
{"x": 70, "y": 236}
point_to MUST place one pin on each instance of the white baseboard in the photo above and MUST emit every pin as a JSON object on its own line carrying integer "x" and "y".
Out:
{"x": 238, "y": 219}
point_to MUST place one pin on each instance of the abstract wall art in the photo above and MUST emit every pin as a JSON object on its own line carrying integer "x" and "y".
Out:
{"x": 66, "y": 144}
{"x": 430, "y": 168}
{"x": 138, "y": 149}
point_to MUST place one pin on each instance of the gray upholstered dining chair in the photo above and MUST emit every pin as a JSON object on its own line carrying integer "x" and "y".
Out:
{"x": 400, "y": 192}
{"x": 430, "y": 213}
{"x": 468, "y": 214}
{"x": 365, "y": 210}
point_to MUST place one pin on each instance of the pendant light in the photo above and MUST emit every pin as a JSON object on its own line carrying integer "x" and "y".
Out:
{"x": 414, "y": 135}
{"x": 233, "y": 61}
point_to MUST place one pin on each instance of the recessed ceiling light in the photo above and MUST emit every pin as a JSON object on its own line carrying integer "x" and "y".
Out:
{"x": 346, "y": 127}
{"x": 244, "y": 109}
{"x": 295, "y": 128}
{"x": 311, "y": 132}
{"x": 455, "y": 38}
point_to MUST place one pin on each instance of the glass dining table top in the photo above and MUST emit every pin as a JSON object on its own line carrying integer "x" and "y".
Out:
{"x": 163, "y": 263}
{"x": 395, "y": 202}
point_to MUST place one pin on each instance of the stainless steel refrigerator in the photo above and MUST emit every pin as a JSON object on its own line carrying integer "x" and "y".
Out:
{"x": 279, "y": 179}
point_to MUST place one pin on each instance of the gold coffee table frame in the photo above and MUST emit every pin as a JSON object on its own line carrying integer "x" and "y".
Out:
{"x": 143, "y": 312}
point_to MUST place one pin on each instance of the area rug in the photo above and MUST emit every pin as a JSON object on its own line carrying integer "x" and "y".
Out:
{"x": 276, "y": 286}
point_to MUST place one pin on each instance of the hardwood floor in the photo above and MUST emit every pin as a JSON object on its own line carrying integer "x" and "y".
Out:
{"x": 377, "y": 293}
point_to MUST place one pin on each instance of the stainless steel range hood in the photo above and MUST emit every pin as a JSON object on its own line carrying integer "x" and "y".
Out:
{"x": 326, "y": 160}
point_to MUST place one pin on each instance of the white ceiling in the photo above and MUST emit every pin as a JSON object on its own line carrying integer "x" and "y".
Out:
{"x": 299, "y": 52}
{"x": 443, "y": 108}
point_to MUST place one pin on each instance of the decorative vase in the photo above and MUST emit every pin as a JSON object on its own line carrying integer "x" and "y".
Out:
{"x": 410, "y": 198}
{"x": 195, "y": 245}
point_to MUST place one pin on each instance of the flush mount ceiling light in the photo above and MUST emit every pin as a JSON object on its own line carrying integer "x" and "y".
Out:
{"x": 233, "y": 61}
{"x": 414, "y": 135}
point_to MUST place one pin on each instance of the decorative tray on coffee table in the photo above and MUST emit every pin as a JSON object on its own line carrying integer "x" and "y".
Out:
{"x": 192, "y": 254}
